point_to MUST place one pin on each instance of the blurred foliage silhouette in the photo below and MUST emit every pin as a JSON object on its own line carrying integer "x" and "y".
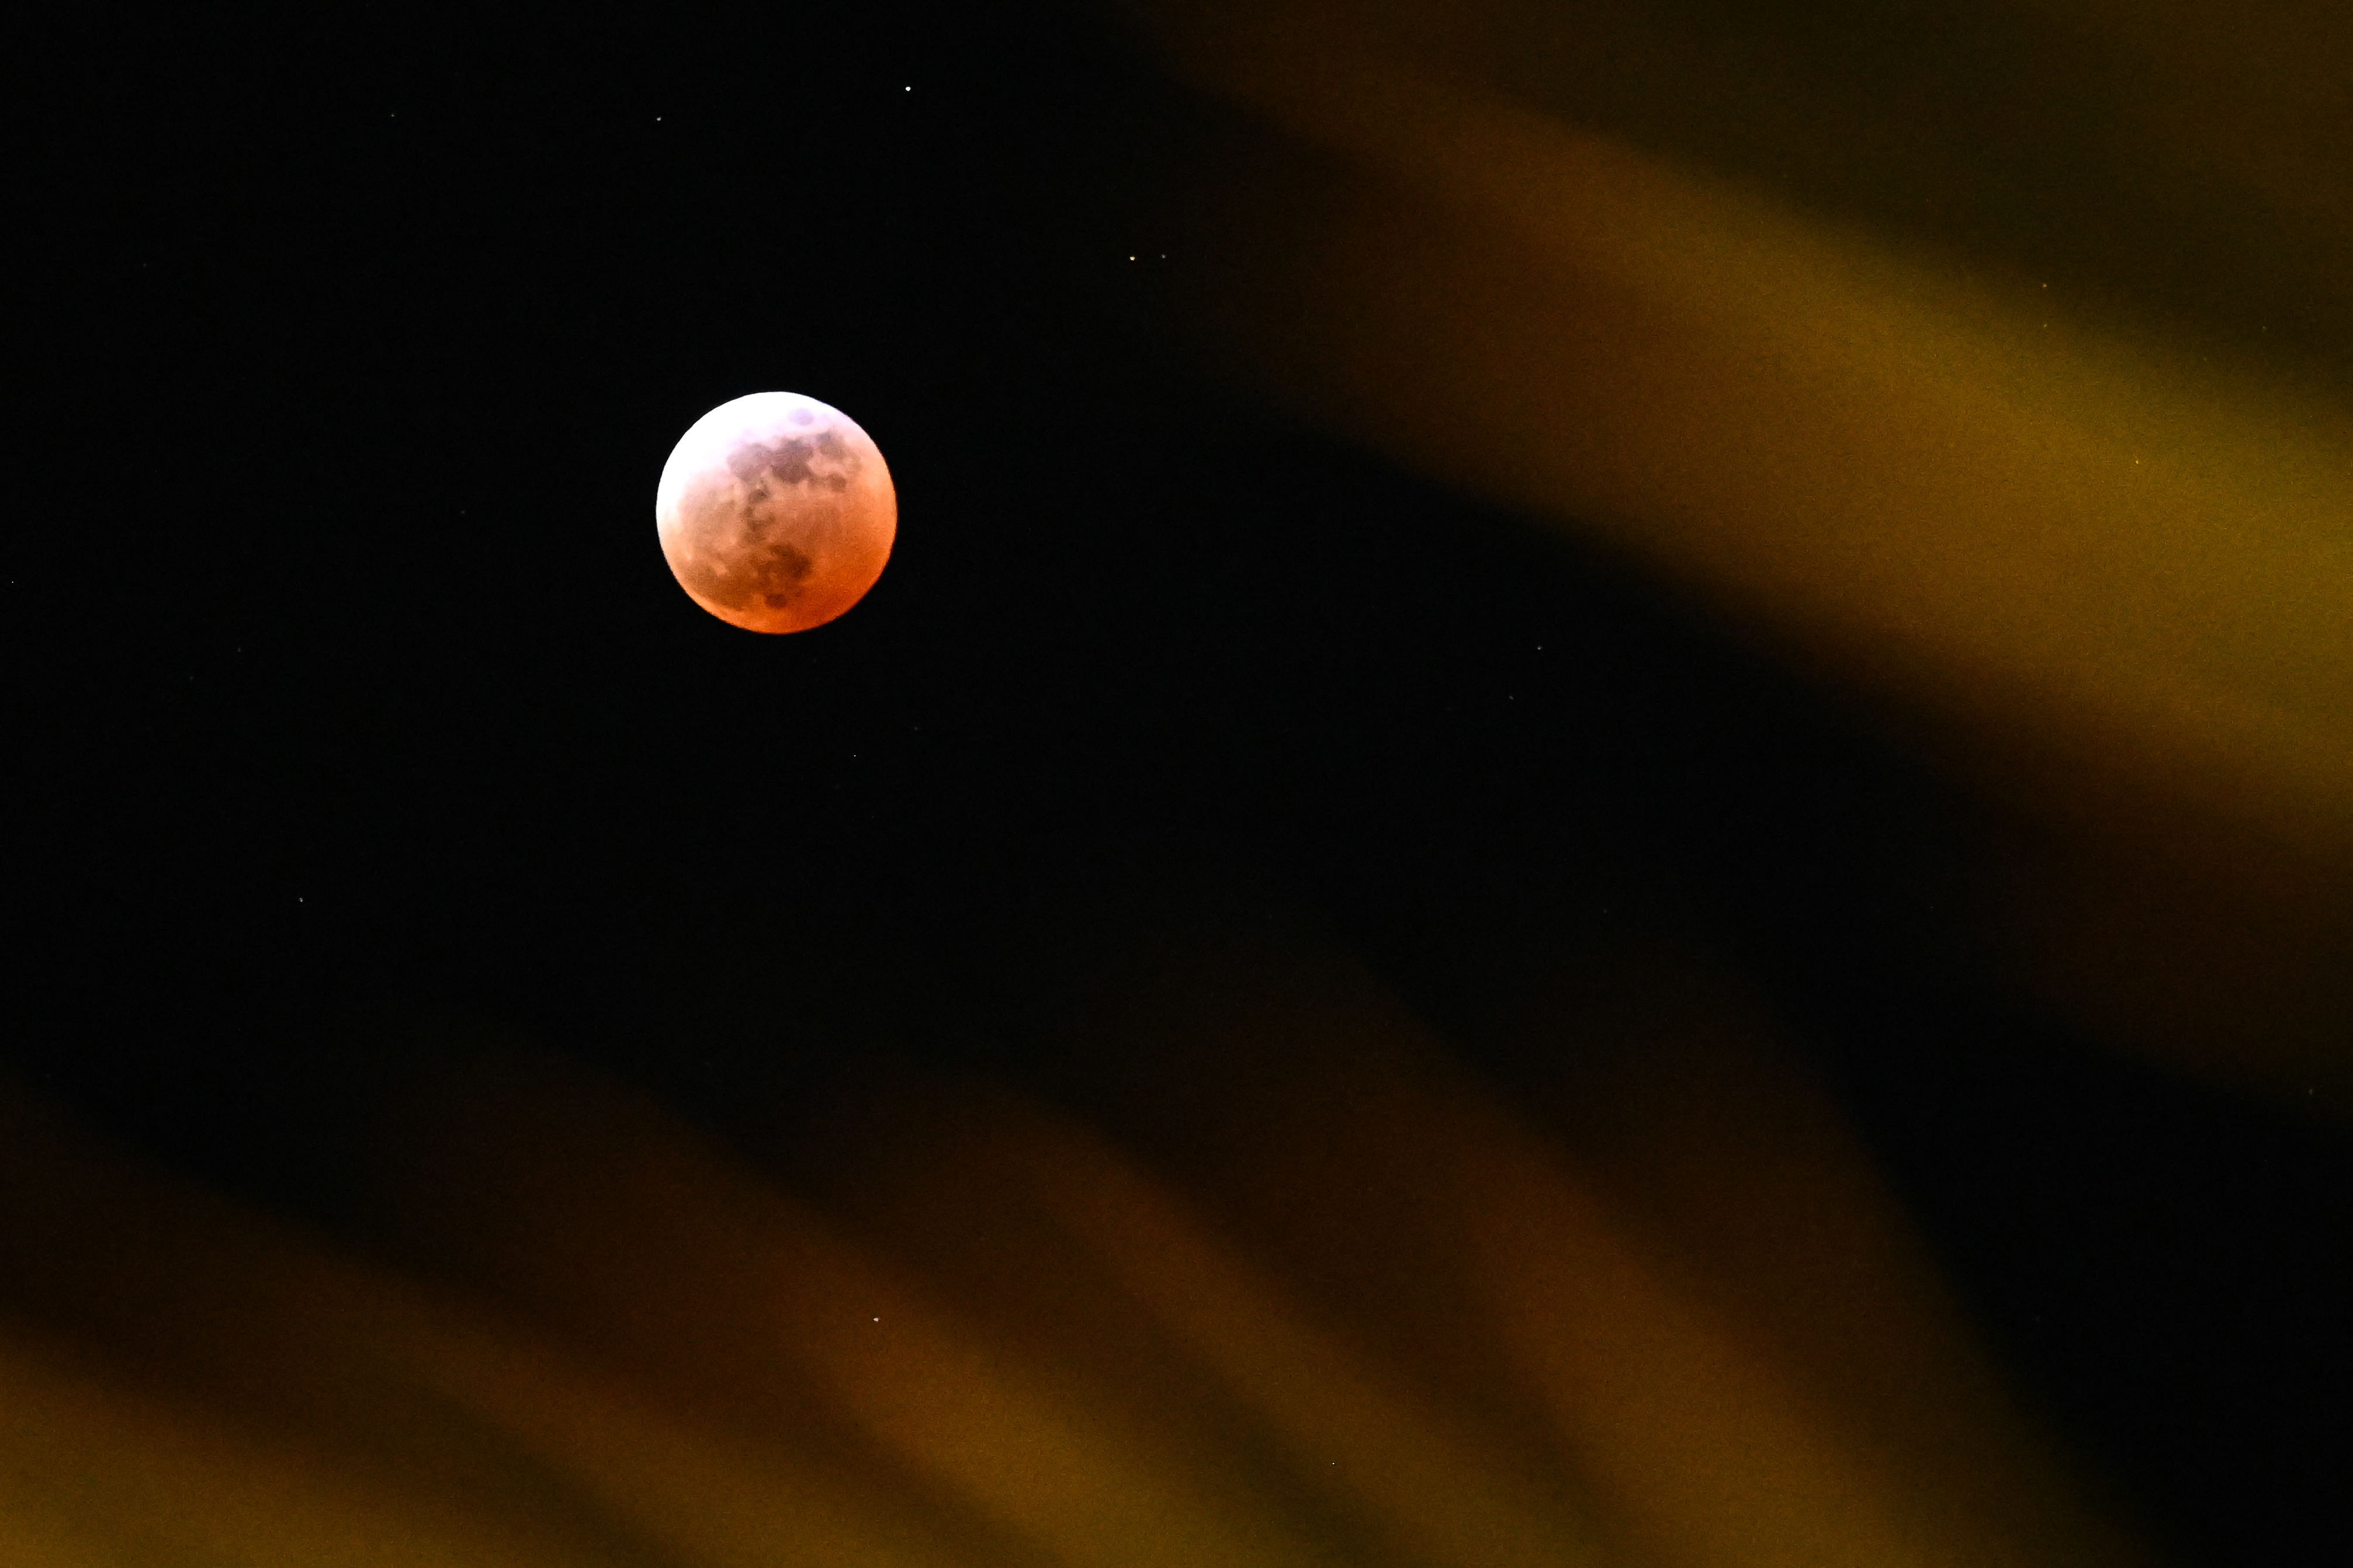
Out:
{"x": 1993, "y": 361}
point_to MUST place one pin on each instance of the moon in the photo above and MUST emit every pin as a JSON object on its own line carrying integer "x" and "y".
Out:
{"x": 775, "y": 512}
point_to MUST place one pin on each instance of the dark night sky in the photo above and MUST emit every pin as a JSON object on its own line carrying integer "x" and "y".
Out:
{"x": 349, "y": 682}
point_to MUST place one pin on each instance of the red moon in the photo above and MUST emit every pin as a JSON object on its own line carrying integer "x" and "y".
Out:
{"x": 775, "y": 512}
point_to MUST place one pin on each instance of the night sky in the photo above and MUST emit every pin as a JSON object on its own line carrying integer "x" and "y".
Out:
{"x": 350, "y": 689}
